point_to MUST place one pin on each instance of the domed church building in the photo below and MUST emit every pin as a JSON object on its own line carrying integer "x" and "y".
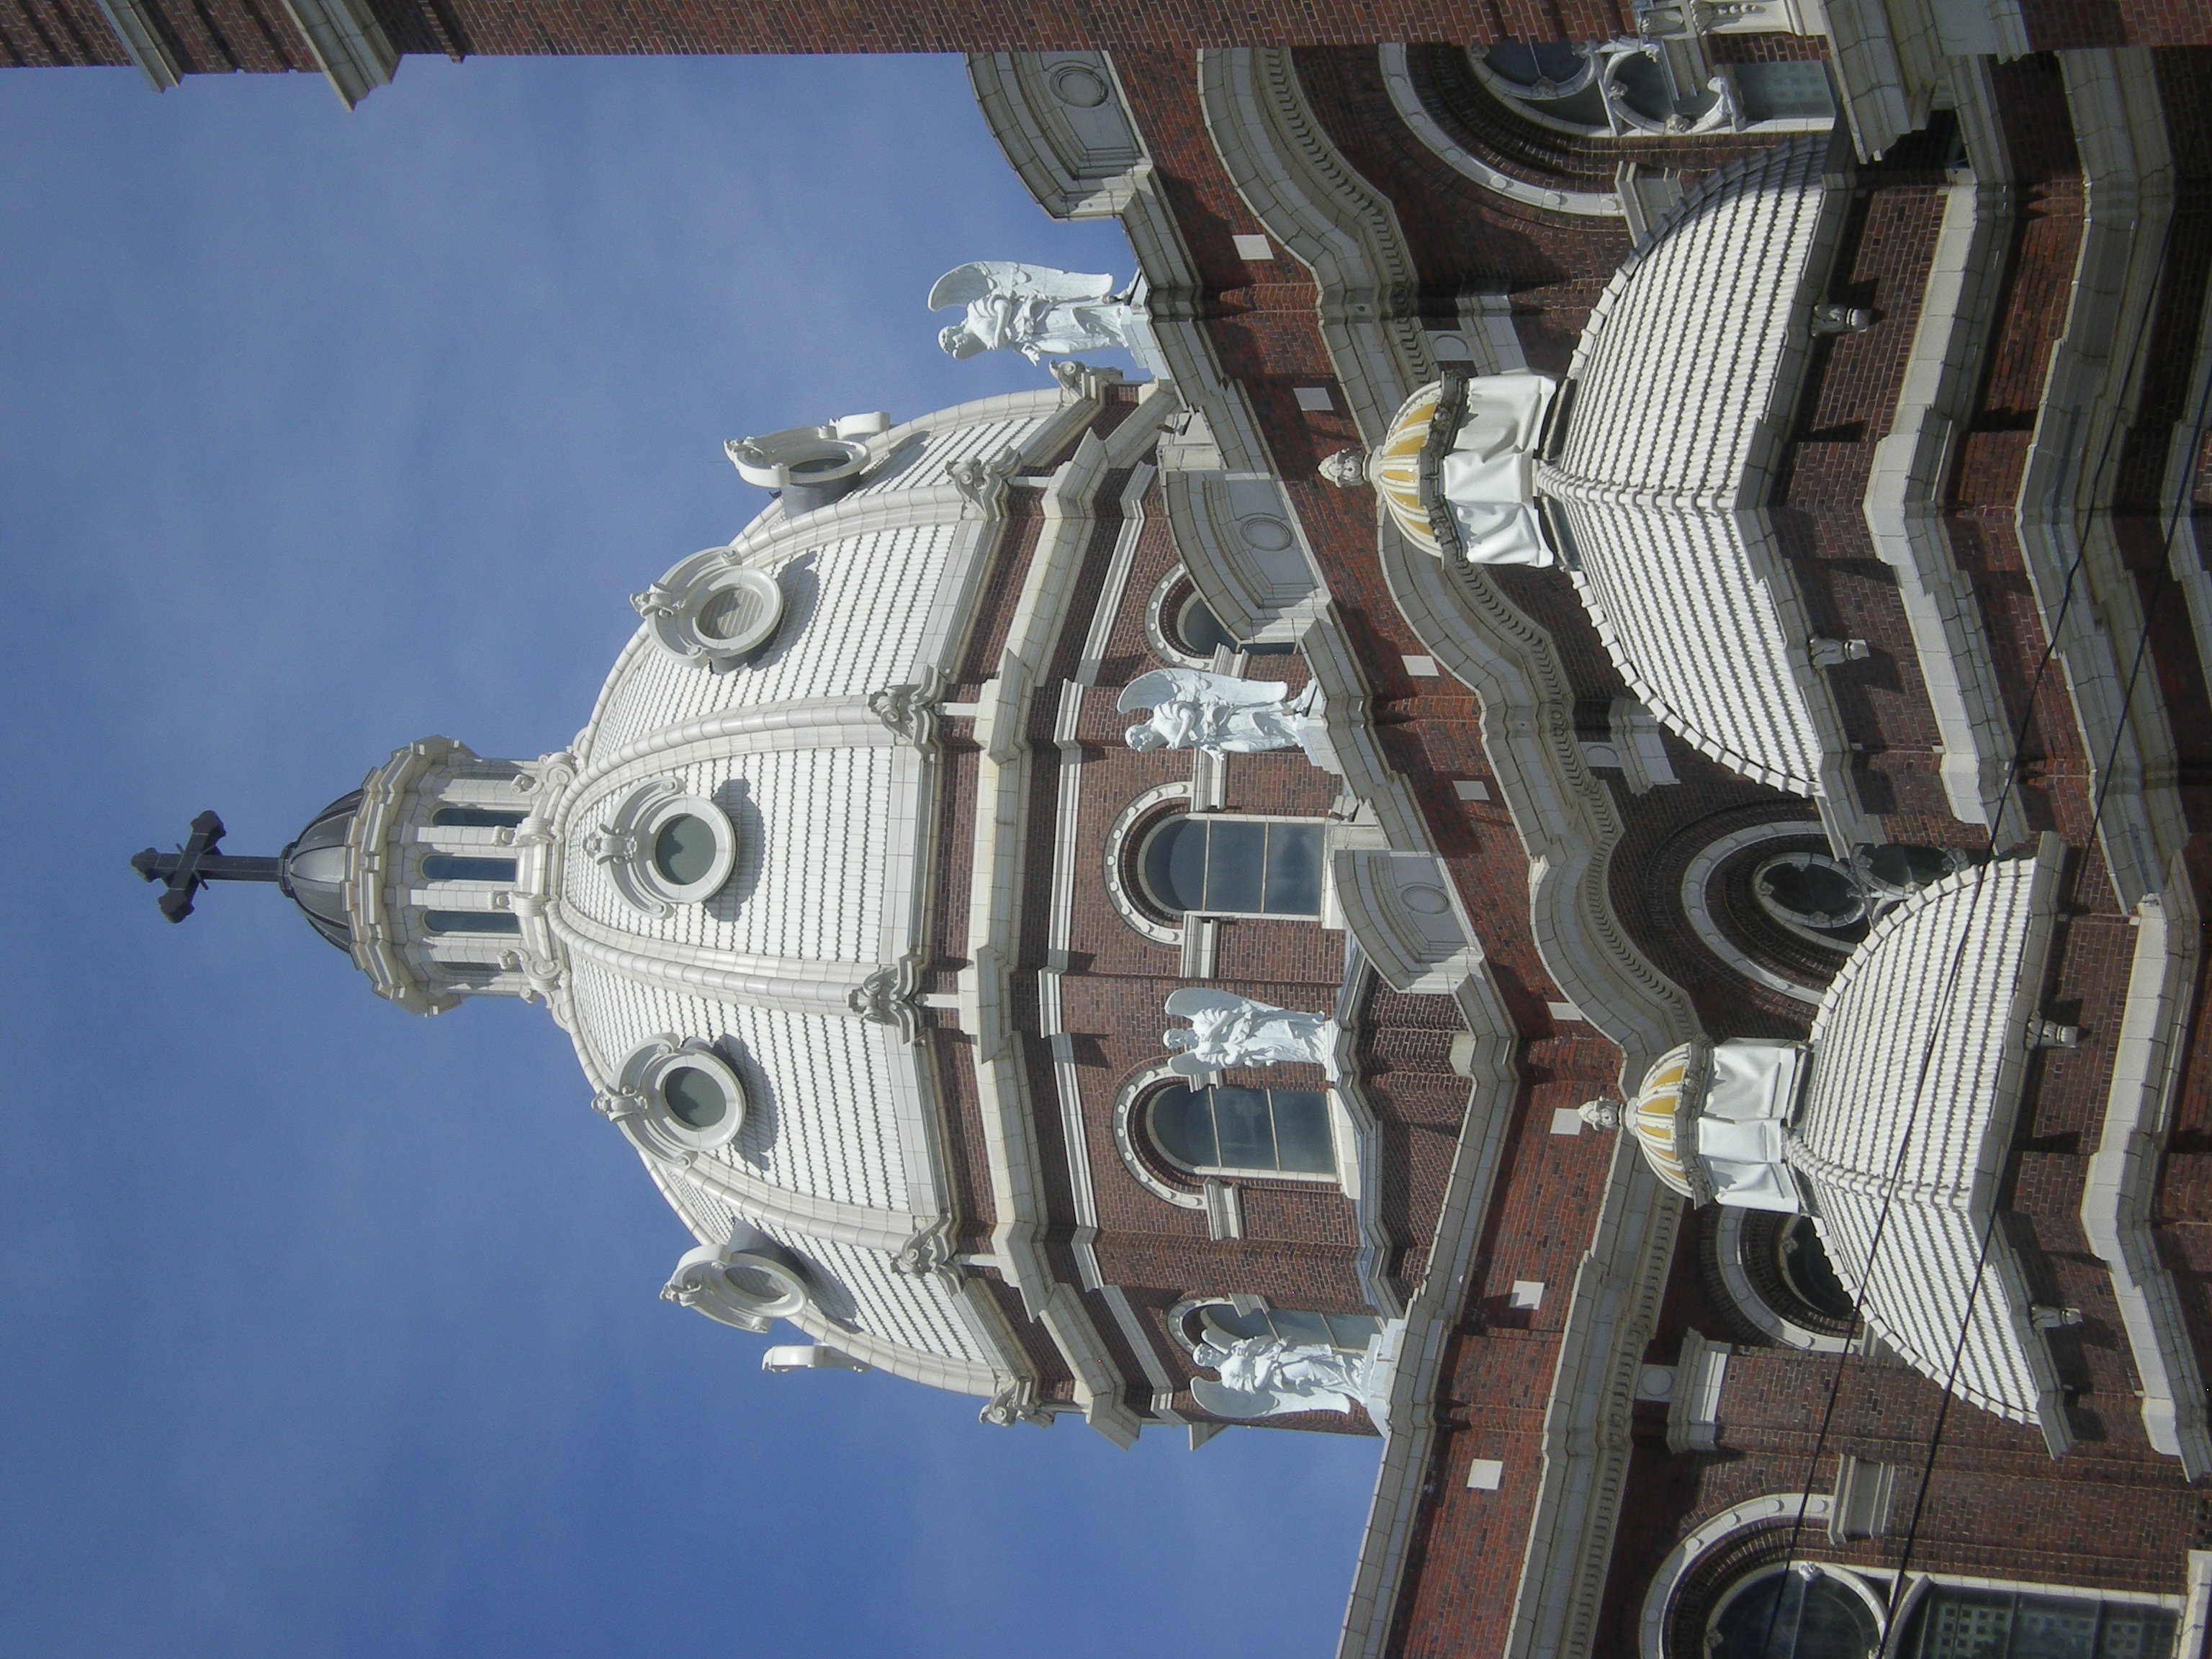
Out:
{"x": 1576, "y": 838}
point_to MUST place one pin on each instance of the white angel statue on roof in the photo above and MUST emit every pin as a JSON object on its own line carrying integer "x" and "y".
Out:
{"x": 1228, "y": 1031}
{"x": 1032, "y": 309}
{"x": 1219, "y": 713}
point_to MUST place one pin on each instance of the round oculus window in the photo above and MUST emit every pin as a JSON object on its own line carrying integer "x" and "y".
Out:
{"x": 697, "y": 1099}
{"x": 1787, "y": 1616}
{"x": 684, "y": 849}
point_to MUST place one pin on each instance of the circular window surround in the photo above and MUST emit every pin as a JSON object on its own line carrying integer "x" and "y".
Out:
{"x": 711, "y": 611}
{"x": 1743, "y": 1294}
{"x": 625, "y": 845}
{"x": 1126, "y": 1131}
{"x": 1078, "y": 85}
{"x": 746, "y": 1289}
{"x": 1135, "y": 816}
{"x": 639, "y": 1106}
{"x": 1812, "y": 1507}
{"x": 1700, "y": 874}
{"x": 810, "y": 456}
{"x": 1158, "y": 620}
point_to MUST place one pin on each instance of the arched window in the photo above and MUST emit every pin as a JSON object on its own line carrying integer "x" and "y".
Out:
{"x": 2004, "y": 1624}
{"x": 471, "y": 921}
{"x": 1227, "y": 1131}
{"x": 1787, "y": 1616}
{"x": 1201, "y": 633}
{"x": 448, "y": 866}
{"x": 1221, "y": 865}
{"x": 475, "y": 818}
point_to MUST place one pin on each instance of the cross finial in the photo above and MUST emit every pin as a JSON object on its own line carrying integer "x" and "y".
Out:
{"x": 191, "y": 866}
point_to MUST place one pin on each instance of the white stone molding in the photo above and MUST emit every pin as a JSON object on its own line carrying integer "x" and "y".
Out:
{"x": 1314, "y": 203}
{"x": 638, "y": 1104}
{"x": 852, "y": 989}
{"x": 349, "y": 45}
{"x": 809, "y": 457}
{"x": 1566, "y": 818}
{"x": 134, "y": 24}
{"x": 1807, "y": 1509}
{"x": 2090, "y": 605}
{"x": 1587, "y": 1421}
{"x": 2119, "y": 1194}
{"x": 1694, "y": 1406}
{"x": 1013, "y": 1154}
{"x": 1432, "y": 1315}
{"x": 1405, "y": 912}
{"x": 1244, "y": 548}
{"x": 744, "y": 1289}
{"x": 1903, "y": 499}
{"x": 1698, "y": 877}
{"x": 710, "y": 610}
{"x": 1126, "y": 1129}
{"x": 761, "y": 729}
{"x": 1064, "y": 126}
{"x": 1400, "y": 83}
{"x": 625, "y": 845}
{"x": 2191, "y": 1641}
{"x": 1360, "y": 1141}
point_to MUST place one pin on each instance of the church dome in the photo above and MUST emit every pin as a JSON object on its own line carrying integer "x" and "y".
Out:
{"x": 314, "y": 869}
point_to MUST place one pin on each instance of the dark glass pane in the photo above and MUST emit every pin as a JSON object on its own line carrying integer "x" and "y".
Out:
{"x": 1353, "y": 1330}
{"x": 2133, "y": 1632}
{"x": 694, "y": 1097}
{"x": 1805, "y": 1269}
{"x": 475, "y": 818}
{"x": 1240, "y": 1122}
{"x": 471, "y": 921}
{"x": 1236, "y": 859}
{"x": 1227, "y": 1325}
{"x": 1783, "y": 1616}
{"x": 1293, "y": 870}
{"x": 1201, "y": 630}
{"x": 1302, "y": 1139}
{"x": 445, "y": 866}
{"x": 1182, "y": 1127}
{"x": 1962, "y": 1624}
{"x": 1174, "y": 865}
{"x": 2054, "y": 1627}
{"x": 1776, "y": 92}
{"x": 1301, "y": 1330}
{"x": 683, "y": 851}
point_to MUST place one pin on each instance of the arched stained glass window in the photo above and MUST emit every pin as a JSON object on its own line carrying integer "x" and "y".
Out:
{"x": 1228, "y": 1131}
{"x": 1223, "y": 865}
{"x": 448, "y": 866}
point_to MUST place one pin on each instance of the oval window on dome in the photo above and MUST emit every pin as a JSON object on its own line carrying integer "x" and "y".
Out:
{"x": 696, "y": 1097}
{"x": 684, "y": 849}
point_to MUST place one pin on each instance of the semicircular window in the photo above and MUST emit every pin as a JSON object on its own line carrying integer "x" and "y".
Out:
{"x": 1221, "y": 865}
{"x": 684, "y": 849}
{"x": 1808, "y": 1272}
{"x": 1783, "y": 1615}
{"x": 1228, "y": 1131}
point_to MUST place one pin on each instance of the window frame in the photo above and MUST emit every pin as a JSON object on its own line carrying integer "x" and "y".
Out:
{"x": 1241, "y": 1173}
{"x": 1167, "y": 821}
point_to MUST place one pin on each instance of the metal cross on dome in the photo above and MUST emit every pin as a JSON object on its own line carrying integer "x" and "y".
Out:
{"x": 185, "y": 871}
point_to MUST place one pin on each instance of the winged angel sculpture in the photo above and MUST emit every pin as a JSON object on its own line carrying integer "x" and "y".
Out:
{"x": 1032, "y": 309}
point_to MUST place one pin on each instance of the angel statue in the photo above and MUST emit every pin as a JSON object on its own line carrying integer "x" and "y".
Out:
{"x": 1227, "y": 1030}
{"x": 1032, "y": 309}
{"x": 1271, "y": 1377}
{"x": 1195, "y": 709}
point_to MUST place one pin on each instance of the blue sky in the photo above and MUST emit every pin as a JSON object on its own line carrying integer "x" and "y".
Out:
{"x": 331, "y": 1331}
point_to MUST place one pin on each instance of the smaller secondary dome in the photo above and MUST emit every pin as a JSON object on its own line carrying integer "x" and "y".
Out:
{"x": 1662, "y": 1114}
{"x": 315, "y": 870}
{"x": 1395, "y": 468}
